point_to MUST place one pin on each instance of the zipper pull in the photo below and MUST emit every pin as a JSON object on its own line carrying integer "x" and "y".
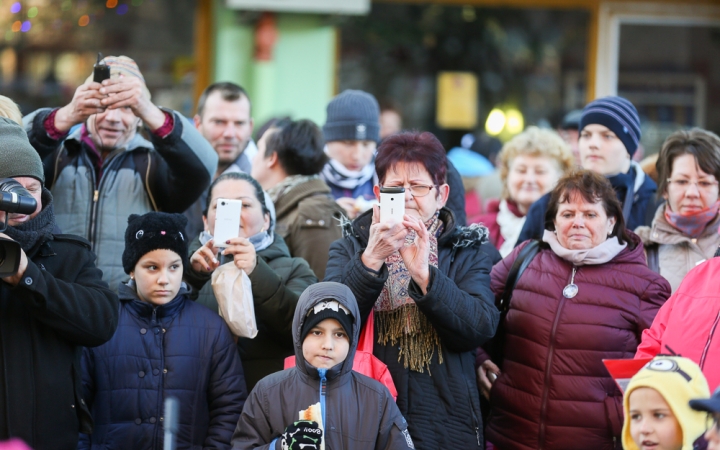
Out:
{"x": 96, "y": 195}
{"x": 477, "y": 433}
{"x": 154, "y": 316}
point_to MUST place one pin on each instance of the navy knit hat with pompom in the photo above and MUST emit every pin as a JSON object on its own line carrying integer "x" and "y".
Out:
{"x": 154, "y": 231}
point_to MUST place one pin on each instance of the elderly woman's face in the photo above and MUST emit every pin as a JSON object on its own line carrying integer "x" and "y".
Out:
{"x": 252, "y": 219}
{"x": 414, "y": 174}
{"x": 582, "y": 225}
{"x": 531, "y": 177}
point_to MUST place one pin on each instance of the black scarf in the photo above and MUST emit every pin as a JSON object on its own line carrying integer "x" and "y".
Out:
{"x": 624, "y": 186}
{"x": 33, "y": 233}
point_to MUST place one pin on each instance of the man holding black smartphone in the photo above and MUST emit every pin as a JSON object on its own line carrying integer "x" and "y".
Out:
{"x": 104, "y": 170}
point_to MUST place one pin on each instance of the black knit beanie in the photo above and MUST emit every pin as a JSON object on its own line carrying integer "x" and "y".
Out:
{"x": 153, "y": 231}
{"x": 328, "y": 309}
{"x": 17, "y": 157}
{"x": 352, "y": 116}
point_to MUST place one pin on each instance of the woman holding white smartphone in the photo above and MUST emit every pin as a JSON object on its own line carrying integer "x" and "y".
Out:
{"x": 427, "y": 282}
{"x": 277, "y": 278}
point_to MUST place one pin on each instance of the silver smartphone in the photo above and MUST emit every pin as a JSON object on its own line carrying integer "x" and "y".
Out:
{"x": 392, "y": 204}
{"x": 227, "y": 221}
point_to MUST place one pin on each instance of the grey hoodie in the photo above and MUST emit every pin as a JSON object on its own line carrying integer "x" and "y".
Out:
{"x": 359, "y": 412}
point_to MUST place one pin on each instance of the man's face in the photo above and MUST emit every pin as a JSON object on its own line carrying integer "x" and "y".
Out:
{"x": 112, "y": 128}
{"x": 226, "y": 125}
{"x": 602, "y": 151}
{"x": 35, "y": 188}
{"x": 260, "y": 170}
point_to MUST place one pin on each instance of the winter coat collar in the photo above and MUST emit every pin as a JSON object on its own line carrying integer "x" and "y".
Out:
{"x": 662, "y": 232}
{"x": 289, "y": 200}
{"x": 128, "y": 296}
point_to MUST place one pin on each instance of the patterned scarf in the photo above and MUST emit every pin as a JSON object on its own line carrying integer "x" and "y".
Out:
{"x": 692, "y": 224}
{"x": 288, "y": 183}
{"x": 398, "y": 318}
{"x": 336, "y": 174}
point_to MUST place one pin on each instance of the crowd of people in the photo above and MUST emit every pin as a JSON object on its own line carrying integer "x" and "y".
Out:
{"x": 478, "y": 324}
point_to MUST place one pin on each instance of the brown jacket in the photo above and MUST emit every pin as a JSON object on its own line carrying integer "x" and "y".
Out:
{"x": 309, "y": 220}
{"x": 678, "y": 253}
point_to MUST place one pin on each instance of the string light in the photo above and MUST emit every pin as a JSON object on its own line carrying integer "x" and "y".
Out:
{"x": 26, "y": 26}
{"x": 15, "y": 8}
{"x": 122, "y": 9}
{"x": 84, "y": 20}
{"x": 111, "y": 3}
{"x": 32, "y": 12}
{"x": 16, "y": 26}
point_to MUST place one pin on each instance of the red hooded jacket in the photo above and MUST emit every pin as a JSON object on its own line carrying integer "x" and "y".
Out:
{"x": 553, "y": 391}
{"x": 689, "y": 322}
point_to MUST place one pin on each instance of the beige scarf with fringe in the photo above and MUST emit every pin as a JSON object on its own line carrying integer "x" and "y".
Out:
{"x": 397, "y": 317}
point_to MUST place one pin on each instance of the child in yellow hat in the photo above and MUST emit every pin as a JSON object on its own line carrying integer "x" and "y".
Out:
{"x": 656, "y": 405}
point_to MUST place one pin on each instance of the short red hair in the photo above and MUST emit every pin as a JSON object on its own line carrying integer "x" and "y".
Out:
{"x": 412, "y": 147}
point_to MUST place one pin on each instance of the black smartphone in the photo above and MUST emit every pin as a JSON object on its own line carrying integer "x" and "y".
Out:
{"x": 101, "y": 71}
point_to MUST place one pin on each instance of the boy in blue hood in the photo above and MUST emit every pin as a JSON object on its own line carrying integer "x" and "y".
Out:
{"x": 354, "y": 411}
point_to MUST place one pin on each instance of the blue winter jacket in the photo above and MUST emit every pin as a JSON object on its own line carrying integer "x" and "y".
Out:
{"x": 179, "y": 349}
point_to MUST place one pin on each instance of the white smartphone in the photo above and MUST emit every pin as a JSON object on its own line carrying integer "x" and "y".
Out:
{"x": 227, "y": 221}
{"x": 392, "y": 204}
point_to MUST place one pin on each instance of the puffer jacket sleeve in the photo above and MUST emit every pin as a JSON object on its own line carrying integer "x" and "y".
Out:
{"x": 393, "y": 433}
{"x": 34, "y": 124}
{"x": 185, "y": 168}
{"x": 346, "y": 267}
{"x": 84, "y": 311}
{"x": 652, "y": 337}
{"x": 651, "y": 301}
{"x": 226, "y": 392}
{"x": 462, "y": 310}
{"x": 275, "y": 298}
{"x": 253, "y": 431}
{"x": 88, "y": 384}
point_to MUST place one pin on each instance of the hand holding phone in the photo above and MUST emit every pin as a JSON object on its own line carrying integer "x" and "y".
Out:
{"x": 392, "y": 204}
{"x": 101, "y": 71}
{"x": 227, "y": 221}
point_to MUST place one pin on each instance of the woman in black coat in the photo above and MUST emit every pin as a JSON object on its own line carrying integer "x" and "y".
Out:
{"x": 428, "y": 283}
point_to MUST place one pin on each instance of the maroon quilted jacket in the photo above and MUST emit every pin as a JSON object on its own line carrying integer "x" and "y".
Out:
{"x": 553, "y": 392}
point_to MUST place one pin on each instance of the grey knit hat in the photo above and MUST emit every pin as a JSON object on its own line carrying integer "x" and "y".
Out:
{"x": 17, "y": 157}
{"x": 352, "y": 116}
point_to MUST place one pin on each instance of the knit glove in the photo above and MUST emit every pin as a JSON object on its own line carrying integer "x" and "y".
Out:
{"x": 301, "y": 435}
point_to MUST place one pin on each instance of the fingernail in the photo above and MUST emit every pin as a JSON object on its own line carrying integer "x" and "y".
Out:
{"x": 207, "y": 268}
{"x": 228, "y": 241}
{"x": 215, "y": 260}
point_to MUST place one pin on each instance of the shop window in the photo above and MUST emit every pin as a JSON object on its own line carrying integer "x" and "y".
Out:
{"x": 529, "y": 60}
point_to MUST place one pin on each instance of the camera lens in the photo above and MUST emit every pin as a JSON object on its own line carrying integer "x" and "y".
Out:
{"x": 222, "y": 203}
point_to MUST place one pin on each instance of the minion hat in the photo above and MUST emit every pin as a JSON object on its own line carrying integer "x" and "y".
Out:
{"x": 677, "y": 380}
{"x": 125, "y": 66}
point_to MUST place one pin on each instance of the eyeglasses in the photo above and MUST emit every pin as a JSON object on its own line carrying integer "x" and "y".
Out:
{"x": 714, "y": 421}
{"x": 701, "y": 185}
{"x": 416, "y": 190}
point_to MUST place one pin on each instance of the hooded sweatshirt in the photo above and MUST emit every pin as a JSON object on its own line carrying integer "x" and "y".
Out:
{"x": 677, "y": 380}
{"x": 358, "y": 412}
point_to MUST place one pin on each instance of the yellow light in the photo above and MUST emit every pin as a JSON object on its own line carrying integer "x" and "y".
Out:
{"x": 84, "y": 20}
{"x": 515, "y": 121}
{"x": 495, "y": 122}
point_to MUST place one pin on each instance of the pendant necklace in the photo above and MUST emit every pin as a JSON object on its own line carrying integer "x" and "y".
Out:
{"x": 571, "y": 289}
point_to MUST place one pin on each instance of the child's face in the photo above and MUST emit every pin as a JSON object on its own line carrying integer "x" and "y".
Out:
{"x": 653, "y": 425}
{"x": 326, "y": 345}
{"x": 158, "y": 275}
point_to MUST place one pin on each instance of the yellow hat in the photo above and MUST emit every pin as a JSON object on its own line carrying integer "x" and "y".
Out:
{"x": 125, "y": 66}
{"x": 678, "y": 380}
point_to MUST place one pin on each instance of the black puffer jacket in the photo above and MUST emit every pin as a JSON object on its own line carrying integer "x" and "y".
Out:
{"x": 442, "y": 409}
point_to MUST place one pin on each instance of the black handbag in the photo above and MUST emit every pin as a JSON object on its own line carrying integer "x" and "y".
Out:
{"x": 523, "y": 260}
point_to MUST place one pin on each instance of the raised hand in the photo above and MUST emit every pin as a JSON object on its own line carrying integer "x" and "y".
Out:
{"x": 129, "y": 92}
{"x": 243, "y": 253}
{"x": 384, "y": 240}
{"x": 86, "y": 101}
{"x": 205, "y": 258}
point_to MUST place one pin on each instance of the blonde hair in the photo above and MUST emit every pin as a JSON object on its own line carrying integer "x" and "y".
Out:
{"x": 536, "y": 142}
{"x": 10, "y": 109}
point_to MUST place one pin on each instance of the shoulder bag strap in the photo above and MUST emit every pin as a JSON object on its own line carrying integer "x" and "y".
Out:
{"x": 523, "y": 259}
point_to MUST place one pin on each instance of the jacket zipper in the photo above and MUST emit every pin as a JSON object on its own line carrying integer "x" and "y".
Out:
{"x": 707, "y": 344}
{"x": 96, "y": 200}
{"x": 548, "y": 367}
{"x": 323, "y": 391}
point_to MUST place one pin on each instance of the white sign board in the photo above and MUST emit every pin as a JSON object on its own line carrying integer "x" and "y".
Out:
{"x": 306, "y": 6}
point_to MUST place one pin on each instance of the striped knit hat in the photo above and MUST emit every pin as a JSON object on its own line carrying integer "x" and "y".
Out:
{"x": 619, "y": 115}
{"x": 125, "y": 66}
